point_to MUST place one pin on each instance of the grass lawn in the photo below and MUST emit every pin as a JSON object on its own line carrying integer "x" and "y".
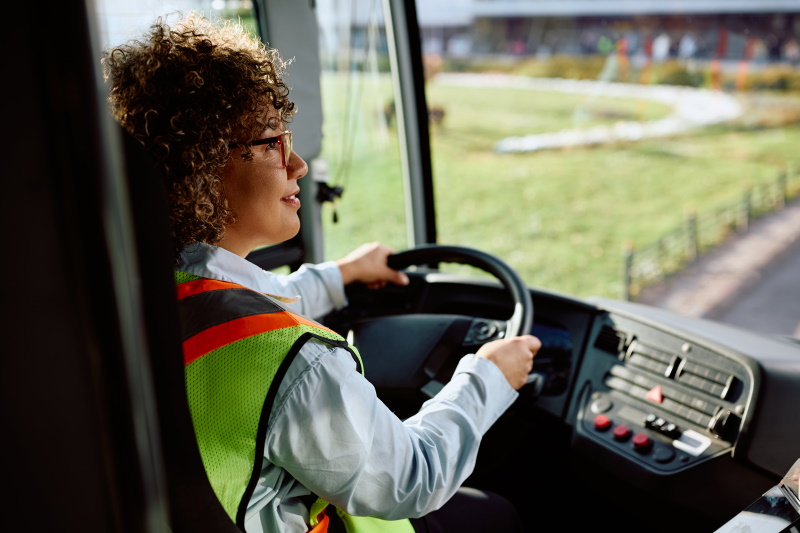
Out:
{"x": 560, "y": 217}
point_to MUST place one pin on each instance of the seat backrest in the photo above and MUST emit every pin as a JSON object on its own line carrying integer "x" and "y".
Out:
{"x": 193, "y": 506}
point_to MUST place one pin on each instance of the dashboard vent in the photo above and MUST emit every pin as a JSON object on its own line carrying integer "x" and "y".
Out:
{"x": 610, "y": 340}
{"x": 711, "y": 381}
{"x": 652, "y": 360}
{"x": 695, "y": 408}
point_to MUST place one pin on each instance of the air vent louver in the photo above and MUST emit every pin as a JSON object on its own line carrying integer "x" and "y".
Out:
{"x": 652, "y": 360}
{"x": 610, "y": 340}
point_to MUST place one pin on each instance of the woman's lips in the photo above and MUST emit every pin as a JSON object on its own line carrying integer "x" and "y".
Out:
{"x": 292, "y": 200}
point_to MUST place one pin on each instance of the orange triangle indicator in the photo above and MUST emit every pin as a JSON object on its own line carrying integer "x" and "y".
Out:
{"x": 654, "y": 395}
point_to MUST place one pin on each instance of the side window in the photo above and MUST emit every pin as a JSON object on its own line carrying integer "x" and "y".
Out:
{"x": 360, "y": 158}
{"x": 361, "y": 144}
{"x": 562, "y": 140}
{"x": 121, "y": 20}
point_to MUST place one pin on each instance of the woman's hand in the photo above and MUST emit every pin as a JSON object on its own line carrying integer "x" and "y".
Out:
{"x": 367, "y": 264}
{"x": 513, "y": 356}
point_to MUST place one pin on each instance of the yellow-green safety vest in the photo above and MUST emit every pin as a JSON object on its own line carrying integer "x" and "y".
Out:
{"x": 237, "y": 344}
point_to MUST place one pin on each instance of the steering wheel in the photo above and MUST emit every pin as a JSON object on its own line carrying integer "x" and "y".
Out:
{"x": 410, "y": 350}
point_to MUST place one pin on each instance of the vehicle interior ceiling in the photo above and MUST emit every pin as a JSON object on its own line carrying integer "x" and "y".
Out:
{"x": 100, "y": 438}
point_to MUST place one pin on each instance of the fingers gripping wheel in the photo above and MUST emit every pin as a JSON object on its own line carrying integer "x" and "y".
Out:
{"x": 522, "y": 318}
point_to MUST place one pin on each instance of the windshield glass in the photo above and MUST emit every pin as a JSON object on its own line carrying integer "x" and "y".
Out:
{"x": 599, "y": 151}
{"x": 361, "y": 144}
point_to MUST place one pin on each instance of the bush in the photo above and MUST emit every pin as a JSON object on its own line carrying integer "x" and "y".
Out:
{"x": 774, "y": 78}
{"x": 558, "y": 66}
{"x": 588, "y": 67}
{"x": 573, "y": 67}
{"x": 674, "y": 73}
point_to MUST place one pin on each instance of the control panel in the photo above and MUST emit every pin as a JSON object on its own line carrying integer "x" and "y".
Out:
{"x": 643, "y": 434}
{"x": 661, "y": 400}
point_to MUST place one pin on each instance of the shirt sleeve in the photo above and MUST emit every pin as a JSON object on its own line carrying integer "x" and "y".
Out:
{"x": 319, "y": 287}
{"x": 329, "y": 430}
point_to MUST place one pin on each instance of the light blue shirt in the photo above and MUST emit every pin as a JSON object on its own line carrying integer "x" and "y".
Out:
{"x": 329, "y": 433}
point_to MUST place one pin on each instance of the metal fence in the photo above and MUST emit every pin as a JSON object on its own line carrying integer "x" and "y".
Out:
{"x": 699, "y": 233}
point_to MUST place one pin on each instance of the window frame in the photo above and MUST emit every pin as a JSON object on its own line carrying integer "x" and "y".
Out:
{"x": 412, "y": 119}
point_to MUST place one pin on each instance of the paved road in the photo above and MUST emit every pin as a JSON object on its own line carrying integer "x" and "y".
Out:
{"x": 753, "y": 280}
{"x": 773, "y": 304}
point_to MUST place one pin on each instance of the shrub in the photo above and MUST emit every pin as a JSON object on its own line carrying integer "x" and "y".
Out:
{"x": 674, "y": 73}
{"x": 564, "y": 66}
{"x": 558, "y": 66}
{"x": 774, "y": 78}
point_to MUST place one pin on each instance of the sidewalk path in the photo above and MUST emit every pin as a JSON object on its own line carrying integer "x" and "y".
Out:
{"x": 691, "y": 108}
{"x": 709, "y": 287}
{"x": 773, "y": 306}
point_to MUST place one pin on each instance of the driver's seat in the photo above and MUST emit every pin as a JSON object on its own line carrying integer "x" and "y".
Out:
{"x": 192, "y": 504}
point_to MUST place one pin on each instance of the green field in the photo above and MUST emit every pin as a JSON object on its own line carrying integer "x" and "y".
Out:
{"x": 560, "y": 217}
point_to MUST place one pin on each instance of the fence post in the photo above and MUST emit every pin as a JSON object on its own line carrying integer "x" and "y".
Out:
{"x": 627, "y": 267}
{"x": 783, "y": 189}
{"x": 692, "y": 238}
{"x": 747, "y": 210}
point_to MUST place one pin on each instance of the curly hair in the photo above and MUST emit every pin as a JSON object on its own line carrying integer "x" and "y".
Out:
{"x": 185, "y": 92}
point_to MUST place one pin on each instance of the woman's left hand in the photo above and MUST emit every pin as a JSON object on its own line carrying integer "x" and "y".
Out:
{"x": 367, "y": 264}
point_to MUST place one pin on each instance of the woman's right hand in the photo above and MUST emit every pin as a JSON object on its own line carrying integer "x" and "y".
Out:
{"x": 368, "y": 264}
{"x": 513, "y": 356}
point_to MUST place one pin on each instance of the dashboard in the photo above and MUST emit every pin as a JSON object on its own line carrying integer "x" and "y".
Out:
{"x": 652, "y": 411}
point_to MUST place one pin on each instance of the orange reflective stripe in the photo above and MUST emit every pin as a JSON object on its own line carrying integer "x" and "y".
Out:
{"x": 322, "y": 525}
{"x": 203, "y": 284}
{"x": 218, "y": 336}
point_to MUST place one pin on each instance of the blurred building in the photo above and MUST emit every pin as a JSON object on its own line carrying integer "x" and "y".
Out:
{"x": 758, "y": 30}
{"x": 703, "y": 29}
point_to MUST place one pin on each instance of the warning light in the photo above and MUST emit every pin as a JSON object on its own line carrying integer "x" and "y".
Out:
{"x": 655, "y": 395}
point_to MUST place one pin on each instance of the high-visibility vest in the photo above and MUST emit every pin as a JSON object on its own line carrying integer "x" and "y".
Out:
{"x": 237, "y": 347}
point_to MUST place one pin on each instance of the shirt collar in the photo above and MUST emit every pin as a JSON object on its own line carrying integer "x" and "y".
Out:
{"x": 209, "y": 261}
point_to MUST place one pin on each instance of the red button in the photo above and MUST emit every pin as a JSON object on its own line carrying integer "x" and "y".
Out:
{"x": 622, "y": 432}
{"x": 642, "y": 443}
{"x": 602, "y": 423}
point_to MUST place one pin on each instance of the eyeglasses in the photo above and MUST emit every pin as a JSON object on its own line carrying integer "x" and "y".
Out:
{"x": 284, "y": 140}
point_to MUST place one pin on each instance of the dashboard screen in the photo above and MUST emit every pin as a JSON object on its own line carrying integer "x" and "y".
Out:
{"x": 554, "y": 358}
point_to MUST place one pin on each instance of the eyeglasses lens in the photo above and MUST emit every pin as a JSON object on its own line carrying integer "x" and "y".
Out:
{"x": 287, "y": 147}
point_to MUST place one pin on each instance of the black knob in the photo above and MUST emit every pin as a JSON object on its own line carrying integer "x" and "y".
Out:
{"x": 725, "y": 424}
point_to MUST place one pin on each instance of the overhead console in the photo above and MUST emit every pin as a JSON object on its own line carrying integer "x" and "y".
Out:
{"x": 660, "y": 400}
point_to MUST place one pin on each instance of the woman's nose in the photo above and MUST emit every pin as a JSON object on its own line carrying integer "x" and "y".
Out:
{"x": 297, "y": 167}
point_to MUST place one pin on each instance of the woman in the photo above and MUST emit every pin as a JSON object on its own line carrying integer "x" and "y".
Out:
{"x": 281, "y": 412}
